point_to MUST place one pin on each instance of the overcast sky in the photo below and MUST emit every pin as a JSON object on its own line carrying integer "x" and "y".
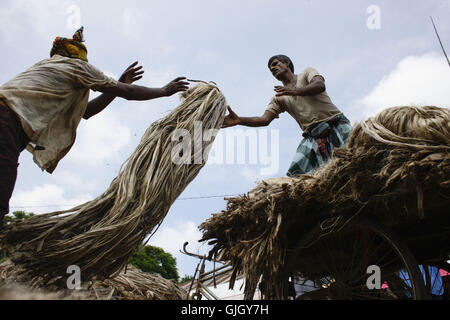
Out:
{"x": 373, "y": 55}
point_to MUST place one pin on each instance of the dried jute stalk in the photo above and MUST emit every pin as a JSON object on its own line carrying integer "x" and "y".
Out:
{"x": 394, "y": 166}
{"x": 99, "y": 236}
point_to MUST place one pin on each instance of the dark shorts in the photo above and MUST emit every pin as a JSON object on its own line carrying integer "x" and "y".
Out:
{"x": 13, "y": 141}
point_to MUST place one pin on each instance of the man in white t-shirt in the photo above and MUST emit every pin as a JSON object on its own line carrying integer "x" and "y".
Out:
{"x": 41, "y": 108}
{"x": 304, "y": 97}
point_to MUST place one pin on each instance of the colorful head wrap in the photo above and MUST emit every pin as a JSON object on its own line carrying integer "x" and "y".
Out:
{"x": 71, "y": 48}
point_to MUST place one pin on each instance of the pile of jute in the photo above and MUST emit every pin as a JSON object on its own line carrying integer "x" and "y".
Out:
{"x": 100, "y": 235}
{"x": 394, "y": 166}
{"x": 130, "y": 284}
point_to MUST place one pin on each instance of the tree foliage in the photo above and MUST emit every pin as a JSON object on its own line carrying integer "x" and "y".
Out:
{"x": 13, "y": 218}
{"x": 186, "y": 278}
{"x": 155, "y": 260}
{"x": 17, "y": 216}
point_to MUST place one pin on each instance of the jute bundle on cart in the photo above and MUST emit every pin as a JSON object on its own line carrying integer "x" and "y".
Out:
{"x": 130, "y": 285}
{"x": 394, "y": 165}
{"x": 99, "y": 236}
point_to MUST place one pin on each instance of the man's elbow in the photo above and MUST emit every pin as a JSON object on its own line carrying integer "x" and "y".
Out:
{"x": 265, "y": 121}
{"x": 87, "y": 115}
{"x": 267, "y": 118}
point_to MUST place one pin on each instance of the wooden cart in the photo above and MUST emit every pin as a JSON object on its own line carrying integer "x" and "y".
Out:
{"x": 356, "y": 255}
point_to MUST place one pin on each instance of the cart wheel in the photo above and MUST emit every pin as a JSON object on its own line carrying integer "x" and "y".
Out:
{"x": 434, "y": 281}
{"x": 361, "y": 261}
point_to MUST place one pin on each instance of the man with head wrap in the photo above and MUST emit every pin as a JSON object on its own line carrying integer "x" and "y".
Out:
{"x": 41, "y": 108}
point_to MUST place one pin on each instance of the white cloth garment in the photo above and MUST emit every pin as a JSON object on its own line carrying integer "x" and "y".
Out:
{"x": 50, "y": 99}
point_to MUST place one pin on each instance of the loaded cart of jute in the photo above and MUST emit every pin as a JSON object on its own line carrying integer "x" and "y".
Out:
{"x": 394, "y": 170}
{"x": 99, "y": 236}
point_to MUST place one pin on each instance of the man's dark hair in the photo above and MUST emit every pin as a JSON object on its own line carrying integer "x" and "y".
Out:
{"x": 284, "y": 59}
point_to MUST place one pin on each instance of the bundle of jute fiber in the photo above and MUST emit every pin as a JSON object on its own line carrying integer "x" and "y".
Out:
{"x": 131, "y": 284}
{"x": 395, "y": 165}
{"x": 99, "y": 236}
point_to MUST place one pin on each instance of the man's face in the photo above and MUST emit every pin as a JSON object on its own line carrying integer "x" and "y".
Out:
{"x": 279, "y": 68}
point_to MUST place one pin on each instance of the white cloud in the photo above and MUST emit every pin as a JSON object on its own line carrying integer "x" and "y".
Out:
{"x": 169, "y": 49}
{"x": 109, "y": 74}
{"x": 171, "y": 239}
{"x": 132, "y": 22}
{"x": 8, "y": 25}
{"x": 40, "y": 17}
{"x": 417, "y": 80}
{"x": 156, "y": 78}
{"x": 46, "y": 198}
{"x": 74, "y": 181}
{"x": 250, "y": 175}
{"x": 100, "y": 139}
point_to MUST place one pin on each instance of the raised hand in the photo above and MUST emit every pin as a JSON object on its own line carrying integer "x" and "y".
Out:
{"x": 175, "y": 86}
{"x": 131, "y": 74}
{"x": 287, "y": 91}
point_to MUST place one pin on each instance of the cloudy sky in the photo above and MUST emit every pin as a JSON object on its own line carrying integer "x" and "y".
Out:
{"x": 374, "y": 54}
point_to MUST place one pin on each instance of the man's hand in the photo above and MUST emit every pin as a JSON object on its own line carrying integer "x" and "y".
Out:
{"x": 131, "y": 74}
{"x": 175, "y": 86}
{"x": 316, "y": 86}
{"x": 287, "y": 91}
{"x": 231, "y": 120}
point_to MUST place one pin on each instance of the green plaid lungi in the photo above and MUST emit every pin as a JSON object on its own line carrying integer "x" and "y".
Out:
{"x": 318, "y": 144}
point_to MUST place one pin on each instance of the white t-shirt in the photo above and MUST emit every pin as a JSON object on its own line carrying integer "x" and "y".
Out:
{"x": 306, "y": 110}
{"x": 50, "y": 99}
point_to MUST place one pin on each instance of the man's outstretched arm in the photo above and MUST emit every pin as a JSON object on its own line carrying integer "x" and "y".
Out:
{"x": 232, "y": 119}
{"x": 126, "y": 90}
{"x": 141, "y": 93}
{"x": 130, "y": 75}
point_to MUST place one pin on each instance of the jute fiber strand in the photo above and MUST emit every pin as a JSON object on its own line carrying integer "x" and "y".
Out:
{"x": 99, "y": 236}
{"x": 130, "y": 285}
{"x": 395, "y": 166}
